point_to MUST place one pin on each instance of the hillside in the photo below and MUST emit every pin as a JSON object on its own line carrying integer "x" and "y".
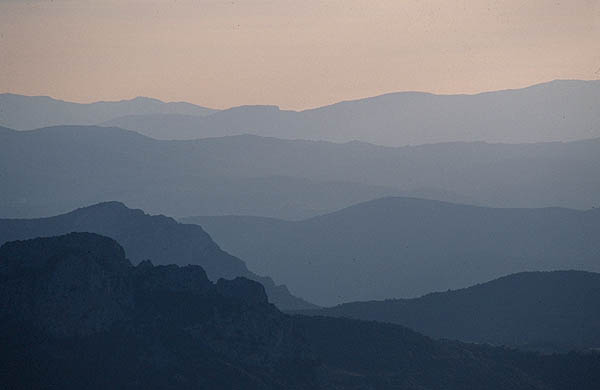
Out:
{"x": 157, "y": 238}
{"x": 546, "y": 311}
{"x": 74, "y": 304}
{"x": 405, "y": 247}
{"x": 77, "y": 304}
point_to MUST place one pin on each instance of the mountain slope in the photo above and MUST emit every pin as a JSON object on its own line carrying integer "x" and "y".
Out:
{"x": 75, "y": 314}
{"x": 403, "y": 247}
{"x": 77, "y": 305}
{"x": 387, "y": 356}
{"x": 42, "y": 171}
{"x": 32, "y": 112}
{"x": 560, "y": 110}
{"x": 540, "y": 310}
{"x": 148, "y": 237}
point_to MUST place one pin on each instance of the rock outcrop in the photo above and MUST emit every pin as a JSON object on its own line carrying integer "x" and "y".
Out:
{"x": 75, "y": 300}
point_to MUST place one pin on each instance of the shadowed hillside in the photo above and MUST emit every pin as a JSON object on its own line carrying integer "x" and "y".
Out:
{"x": 77, "y": 305}
{"x": 76, "y": 314}
{"x": 546, "y": 311}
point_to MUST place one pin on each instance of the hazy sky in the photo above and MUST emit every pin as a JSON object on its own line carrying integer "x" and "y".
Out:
{"x": 293, "y": 53}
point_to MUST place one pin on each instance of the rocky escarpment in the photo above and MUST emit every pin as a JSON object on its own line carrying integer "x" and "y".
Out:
{"x": 76, "y": 314}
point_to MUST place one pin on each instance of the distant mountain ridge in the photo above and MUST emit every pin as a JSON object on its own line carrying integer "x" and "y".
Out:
{"x": 561, "y": 110}
{"x": 406, "y": 247}
{"x": 547, "y": 311}
{"x": 157, "y": 238}
{"x": 42, "y": 171}
{"x": 32, "y": 112}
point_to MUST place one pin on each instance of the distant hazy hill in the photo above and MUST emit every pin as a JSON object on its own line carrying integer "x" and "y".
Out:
{"x": 54, "y": 170}
{"x": 561, "y": 110}
{"x": 32, "y": 112}
{"x": 539, "y": 310}
{"x": 75, "y": 314}
{"x": 402, "y": 247}
{"x": 148, "y": 237}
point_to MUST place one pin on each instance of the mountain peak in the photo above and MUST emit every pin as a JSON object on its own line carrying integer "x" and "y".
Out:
{"x": 41, "y": 254}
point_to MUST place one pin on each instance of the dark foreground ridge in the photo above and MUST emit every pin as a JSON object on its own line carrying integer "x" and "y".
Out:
{"x": 157, "y": 238}
{"x": 75, "y": 314}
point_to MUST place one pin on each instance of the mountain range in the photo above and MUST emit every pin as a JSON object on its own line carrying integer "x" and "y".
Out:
{"x": 561, "y": 110}
{"x": 76, "y": 314}
{"x": 157, "y": 238}
{"x": 32, "y": 112}
{"x": 53, "y": 170}
{"x": 404, "y": 247}
{"x": 521, "y": 310}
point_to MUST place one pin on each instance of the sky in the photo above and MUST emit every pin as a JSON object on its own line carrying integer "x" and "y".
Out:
{"x": 295, "y": 54}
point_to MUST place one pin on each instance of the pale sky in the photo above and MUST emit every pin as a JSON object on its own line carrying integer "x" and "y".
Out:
{"x": 293, "y": 53}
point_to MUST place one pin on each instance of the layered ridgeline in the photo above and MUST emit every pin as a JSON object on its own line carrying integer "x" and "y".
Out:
{"x": 76, "y": 314}
{"x": 403, "y": 247}
{"x": 54, "y": 170}
{"x": 546, "y": 311}
{"x": 32, "y": 112}
{"x": 157, "y": 238}
{"x": 555, "y": 111}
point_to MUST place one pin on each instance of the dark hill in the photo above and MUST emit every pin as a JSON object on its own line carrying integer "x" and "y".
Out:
{"x": 75, "y": 314}
{"x": 155, "y": 237}
{"x": 386, "y": 356}
{"x": 539, "y": 310}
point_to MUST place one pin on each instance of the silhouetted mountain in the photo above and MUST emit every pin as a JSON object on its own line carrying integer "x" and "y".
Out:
{"x": 53, "y": 170}
{"x": 148, "y": 237}
{"x": 403, "y": 247}
{"x": 561, "y": 110}
{"x": 539, "y": 310}
{"x": 75, "y": 314}
{"x": 32, "y": 112}
{"x": 373, "y": 355}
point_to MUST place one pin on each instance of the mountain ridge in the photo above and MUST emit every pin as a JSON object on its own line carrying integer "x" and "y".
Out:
{"x": 148, "y": 326}
{"x": 78, "y": 304}
{"x": 30, "y": 112}
{"x": 406, "y": 247}
{"x": 279, "y": 178}
{"x": 520, "y": 310}
{"x": 553, "y": 111}
{"x": 157, "y": 238}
